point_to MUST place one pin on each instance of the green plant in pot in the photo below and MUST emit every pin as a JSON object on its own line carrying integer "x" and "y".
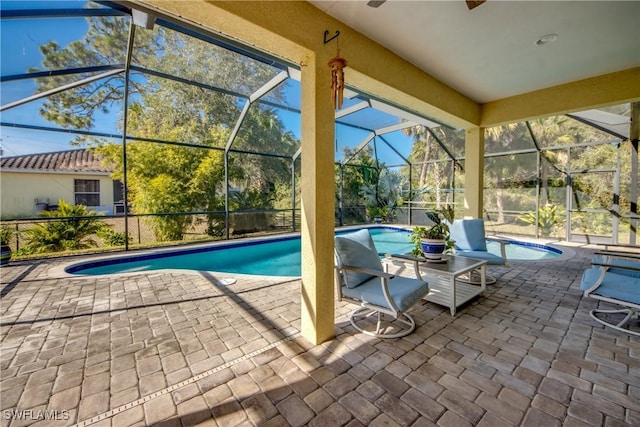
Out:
{"x": 5, "y": 239}
{"x": 433, "y": 240}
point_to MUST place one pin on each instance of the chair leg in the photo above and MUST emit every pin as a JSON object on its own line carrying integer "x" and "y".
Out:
{"x": 630, "y": 314}
{"x": 364, "y": 312}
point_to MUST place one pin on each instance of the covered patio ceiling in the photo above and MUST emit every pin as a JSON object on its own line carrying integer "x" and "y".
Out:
{"x": 482, "y": 67}
{"x": 493, "y": 51}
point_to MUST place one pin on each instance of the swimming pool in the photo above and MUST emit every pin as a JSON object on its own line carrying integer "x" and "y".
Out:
{"x": 270, "y": 256}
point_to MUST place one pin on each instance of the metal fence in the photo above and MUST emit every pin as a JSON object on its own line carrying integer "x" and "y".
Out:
{"x": 202, "y": 227}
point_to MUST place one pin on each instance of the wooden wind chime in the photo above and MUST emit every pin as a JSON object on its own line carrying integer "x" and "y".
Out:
{"x": 337, "y": 66}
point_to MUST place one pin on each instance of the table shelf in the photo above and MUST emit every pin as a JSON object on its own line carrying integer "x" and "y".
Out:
{"x": 442, "y": 281}
{"x": 440, "y": 291}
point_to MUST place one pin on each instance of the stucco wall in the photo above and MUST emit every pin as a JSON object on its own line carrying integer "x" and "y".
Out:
{"x": 19, "y": 190}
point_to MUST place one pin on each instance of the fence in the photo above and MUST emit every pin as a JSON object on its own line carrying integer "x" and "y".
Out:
{"x": 142, "y": 231}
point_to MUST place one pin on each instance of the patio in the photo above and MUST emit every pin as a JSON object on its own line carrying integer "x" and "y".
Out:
{"x": 177, "y": 348}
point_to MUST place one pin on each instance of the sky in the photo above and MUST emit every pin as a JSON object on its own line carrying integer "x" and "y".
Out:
{"x": 19, "y": 50}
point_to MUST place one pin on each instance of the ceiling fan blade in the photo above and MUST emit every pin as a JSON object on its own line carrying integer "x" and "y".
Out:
{"x": 474, "y": 3}
{"x": 375, "y": 3}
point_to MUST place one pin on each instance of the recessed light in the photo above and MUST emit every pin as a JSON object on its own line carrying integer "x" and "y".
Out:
{"x": 546, "y": 39}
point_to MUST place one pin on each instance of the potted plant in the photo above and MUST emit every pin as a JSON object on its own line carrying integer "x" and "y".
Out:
{"x": 5, "y": 250}
{"x": 434, "y": 240}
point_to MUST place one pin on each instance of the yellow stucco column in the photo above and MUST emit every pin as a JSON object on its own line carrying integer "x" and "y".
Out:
{"x": 317, "y": 185}
{"x": 473, "y": 172}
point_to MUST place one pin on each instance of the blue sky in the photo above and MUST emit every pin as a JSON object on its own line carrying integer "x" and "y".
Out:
{"x": 19, "y": 47}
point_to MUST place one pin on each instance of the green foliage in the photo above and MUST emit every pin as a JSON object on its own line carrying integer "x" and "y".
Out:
{"x": 375, "y": 211}
{"x": 112, "y": 237}
{"x": 431, "y": 171}
{"x": 359, "y": 172}
{"x": 165, "y": 179}
{"x": 438, "y": 230}
{"x": 251, "y": 199}
{"x": 159, "y": 194}
{"x": 215, "y": 228}
{"x": 282, "y": 193}
{"x": 105, "y": 43}
{"x": 74, "y": 232}
{"x": 549, "y": 216}
{"x": 385, "y": 193}
{"x": 5, "y": 235}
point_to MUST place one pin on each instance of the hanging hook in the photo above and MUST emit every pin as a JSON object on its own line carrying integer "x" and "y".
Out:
{"x": 326, "y": 33}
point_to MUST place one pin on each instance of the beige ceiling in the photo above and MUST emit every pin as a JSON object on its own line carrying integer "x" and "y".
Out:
{"x": 490, "y": 52}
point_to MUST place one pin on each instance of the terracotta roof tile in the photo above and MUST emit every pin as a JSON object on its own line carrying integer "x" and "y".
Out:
{"x": 80, "y": 160}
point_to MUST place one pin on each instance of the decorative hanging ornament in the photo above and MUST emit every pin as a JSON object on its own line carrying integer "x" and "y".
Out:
{"x": 337, "y": 66}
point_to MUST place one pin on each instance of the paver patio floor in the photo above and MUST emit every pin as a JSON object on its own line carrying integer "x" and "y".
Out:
{"x": 179, "y": 348}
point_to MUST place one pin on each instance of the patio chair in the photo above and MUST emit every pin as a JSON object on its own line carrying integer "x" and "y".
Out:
{"x": 362, "y": 280}
{"x": 614, "y": 277}
{"x": 470, "y": 241}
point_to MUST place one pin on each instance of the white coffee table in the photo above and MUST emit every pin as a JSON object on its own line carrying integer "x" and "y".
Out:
{"x": 444, "y": 289}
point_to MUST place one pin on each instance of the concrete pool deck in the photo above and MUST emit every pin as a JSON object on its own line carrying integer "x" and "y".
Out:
{"x": 177, "y": 348}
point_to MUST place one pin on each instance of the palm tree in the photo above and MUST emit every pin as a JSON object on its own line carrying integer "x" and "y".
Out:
{"x": 503, "y": 138}
{"x": 427, "y": 152}
{"x": 421, "y": 150}
{"x": 386, "y": 192}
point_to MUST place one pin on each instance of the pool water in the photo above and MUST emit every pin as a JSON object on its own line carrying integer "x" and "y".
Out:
{"x": 523, "y": 251}
{"x": 272, "y": 257}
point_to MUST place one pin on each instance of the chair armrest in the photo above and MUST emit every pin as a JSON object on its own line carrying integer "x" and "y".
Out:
{"x": 500, "y": 240}
{"x": 613, "y": 265}
{"x": 378, "y": 273}
{"x": 619, "y": 254}
{"x": 408, "y": 258}
{"x": 503, "y": 246}
{"x": 607, "y": 246}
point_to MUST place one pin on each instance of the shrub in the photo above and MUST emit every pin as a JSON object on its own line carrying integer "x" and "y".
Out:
{"x": 73, "y": 232}
{"x": 549, "y": 216}
{"x": 113, "y": 238}
{"x": 5, "y": 235}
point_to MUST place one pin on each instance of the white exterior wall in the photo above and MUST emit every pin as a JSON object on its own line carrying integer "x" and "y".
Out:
{"x": 19, "y": 190}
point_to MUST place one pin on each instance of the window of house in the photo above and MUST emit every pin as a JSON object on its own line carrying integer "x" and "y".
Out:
{"x": 87, "y": 192}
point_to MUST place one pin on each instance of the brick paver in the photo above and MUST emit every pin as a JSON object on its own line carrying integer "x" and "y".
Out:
{"x": 180, "y": 349}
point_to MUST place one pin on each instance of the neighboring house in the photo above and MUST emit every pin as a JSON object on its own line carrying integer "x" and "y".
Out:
{"x": 33, "y": 182}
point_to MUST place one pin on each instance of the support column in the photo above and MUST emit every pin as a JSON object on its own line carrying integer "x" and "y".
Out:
{"x": 318, "y": 202}
{"x": 473, "y": 172}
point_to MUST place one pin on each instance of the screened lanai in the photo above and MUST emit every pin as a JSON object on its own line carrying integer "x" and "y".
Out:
{"x": 198, "y": 137}
{"x": 209, "y": 127}
{"x": 133, "y": 92}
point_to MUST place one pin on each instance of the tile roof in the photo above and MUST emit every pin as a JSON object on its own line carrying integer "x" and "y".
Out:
{"x": 79, "y": 160}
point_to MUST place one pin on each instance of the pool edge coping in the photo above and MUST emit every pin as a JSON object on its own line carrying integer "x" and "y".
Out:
{"x": 59, "y": 271}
